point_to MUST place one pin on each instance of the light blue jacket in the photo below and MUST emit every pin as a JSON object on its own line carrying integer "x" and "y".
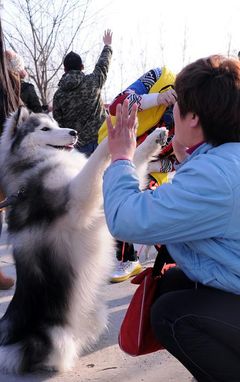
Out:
{"x": 197, "y": 216}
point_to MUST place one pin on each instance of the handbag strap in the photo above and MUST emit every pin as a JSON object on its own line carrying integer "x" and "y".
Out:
{"x": 163, "y": 257}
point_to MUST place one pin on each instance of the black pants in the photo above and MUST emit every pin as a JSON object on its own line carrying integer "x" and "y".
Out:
{"x": 126, "y": 252}
{"x": 200, "y": 326}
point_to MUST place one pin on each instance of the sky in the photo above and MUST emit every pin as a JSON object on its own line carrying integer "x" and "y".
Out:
{"x": 154, "y": 33}
{"x": 147, "y": 34}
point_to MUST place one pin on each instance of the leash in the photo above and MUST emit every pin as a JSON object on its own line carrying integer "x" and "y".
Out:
{"x": 12, "y": 199}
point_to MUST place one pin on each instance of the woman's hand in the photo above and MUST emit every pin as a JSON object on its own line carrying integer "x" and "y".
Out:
{"x": 122, "y": 136}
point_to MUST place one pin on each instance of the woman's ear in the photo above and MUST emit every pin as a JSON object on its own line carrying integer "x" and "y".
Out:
{"x": 196, "y": 129}
{"x": 195, "y": 120}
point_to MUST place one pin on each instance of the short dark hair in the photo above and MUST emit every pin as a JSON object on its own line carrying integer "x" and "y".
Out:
{"x": 72, "y": 61}
{"x": 210, "y": 88}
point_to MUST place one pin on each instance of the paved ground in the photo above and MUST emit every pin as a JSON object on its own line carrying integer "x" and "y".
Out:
{"x": 106, "y": 362}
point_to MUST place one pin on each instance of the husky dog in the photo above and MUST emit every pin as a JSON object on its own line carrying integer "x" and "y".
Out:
{"x": 62, "y": 249}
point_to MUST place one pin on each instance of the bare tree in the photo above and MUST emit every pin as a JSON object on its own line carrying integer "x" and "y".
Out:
{"x": 185, "y": 45}
{"x": 42, "y": 31}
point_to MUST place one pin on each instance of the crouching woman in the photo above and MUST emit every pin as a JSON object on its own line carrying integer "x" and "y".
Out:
{"x": 196, "y": 316}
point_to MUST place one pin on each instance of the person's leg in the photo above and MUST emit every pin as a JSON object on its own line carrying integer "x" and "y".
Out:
{"x": 125, "y": 251}
{"x": 201, "y": 328}
{"x": 129, "y": 253}
{"x": 120, "y": 250}
{"x": 128, "y": 264}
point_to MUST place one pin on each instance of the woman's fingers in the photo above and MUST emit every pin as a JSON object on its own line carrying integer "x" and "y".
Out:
{"x": 124, "y": 120}
{"x": 125, "y": 114}
{"x": 132, "y": 122}
{"x": 109, "y": 125}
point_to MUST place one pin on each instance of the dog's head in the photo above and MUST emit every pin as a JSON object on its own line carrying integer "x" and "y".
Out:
{"x": 36, "y": 130}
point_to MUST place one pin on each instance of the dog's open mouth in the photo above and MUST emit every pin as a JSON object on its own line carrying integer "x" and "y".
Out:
{"x": 66, "y": 147}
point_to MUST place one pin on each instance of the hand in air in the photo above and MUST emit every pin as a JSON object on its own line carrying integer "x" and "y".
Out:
{"x": 107, "y": 37}
{"x": 122, "y": 136}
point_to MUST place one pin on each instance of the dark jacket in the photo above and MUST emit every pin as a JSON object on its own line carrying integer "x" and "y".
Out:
{"x": 30, "y": 98}
{"x": 2, "y": 112}
{"x": 77, "y": 104}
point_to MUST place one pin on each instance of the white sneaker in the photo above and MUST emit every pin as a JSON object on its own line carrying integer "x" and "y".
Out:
{"x": 125, "y": 270}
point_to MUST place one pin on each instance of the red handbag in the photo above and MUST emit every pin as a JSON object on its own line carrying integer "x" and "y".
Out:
{"x": 135, "y": 336}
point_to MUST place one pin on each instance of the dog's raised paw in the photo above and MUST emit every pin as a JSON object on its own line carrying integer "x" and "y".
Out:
{"x": 162, "y": 136}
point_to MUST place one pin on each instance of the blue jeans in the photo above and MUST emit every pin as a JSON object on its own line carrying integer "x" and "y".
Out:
{"x": 87, "y": 149}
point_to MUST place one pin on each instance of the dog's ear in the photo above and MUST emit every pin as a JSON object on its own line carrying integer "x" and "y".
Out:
{"x": 20, "y": 116}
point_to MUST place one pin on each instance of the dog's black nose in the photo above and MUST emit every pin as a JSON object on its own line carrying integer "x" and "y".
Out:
{"x": 73, "y": 132}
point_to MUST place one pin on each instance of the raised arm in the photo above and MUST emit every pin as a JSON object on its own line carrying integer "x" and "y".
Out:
{"x": 102, "y": 65}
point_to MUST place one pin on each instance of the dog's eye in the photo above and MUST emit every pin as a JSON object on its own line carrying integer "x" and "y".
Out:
{"x": 45, "y": 128}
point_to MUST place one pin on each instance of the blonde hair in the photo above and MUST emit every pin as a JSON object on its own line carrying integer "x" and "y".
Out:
{"x": 9, "y": 85}
{"x": 15, "y": 63}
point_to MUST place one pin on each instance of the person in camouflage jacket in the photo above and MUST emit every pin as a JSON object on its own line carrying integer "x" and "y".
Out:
{"x": 77, "y": 104}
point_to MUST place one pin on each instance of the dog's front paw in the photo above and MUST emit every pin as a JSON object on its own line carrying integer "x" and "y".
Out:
{"x": 161, "y": 135}
{"x": 151, "y": 146}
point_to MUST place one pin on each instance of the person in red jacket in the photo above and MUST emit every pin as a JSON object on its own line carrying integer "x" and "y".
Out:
{"x": 128, "y": 264}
